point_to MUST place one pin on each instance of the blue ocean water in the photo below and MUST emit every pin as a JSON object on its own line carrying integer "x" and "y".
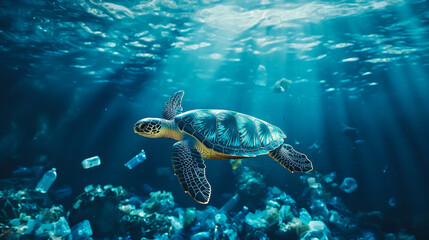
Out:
{"x": 347, "y": 81}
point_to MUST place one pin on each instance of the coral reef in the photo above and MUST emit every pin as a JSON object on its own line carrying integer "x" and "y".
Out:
{"x": 254, "y": 212}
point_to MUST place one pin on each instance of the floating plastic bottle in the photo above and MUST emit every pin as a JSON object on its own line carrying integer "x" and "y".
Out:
{"x": 81, "y": 231}
{"x": 91, "y": 162}
{"x": 228, "y": 206}
{"x": 47, "y": 180}
{"x": 242, "y": 214}
{"x": 139, "y": 158}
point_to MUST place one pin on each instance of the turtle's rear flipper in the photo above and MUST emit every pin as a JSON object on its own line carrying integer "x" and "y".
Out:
{"x": 291, "y": 159}
{"x": 189, "y": 168}
{"x": 173, "y": 106}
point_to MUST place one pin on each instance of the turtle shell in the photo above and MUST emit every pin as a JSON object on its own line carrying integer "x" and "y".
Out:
{"x": 231, "y": 132}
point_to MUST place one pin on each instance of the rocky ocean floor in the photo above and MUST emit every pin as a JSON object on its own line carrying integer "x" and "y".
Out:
{"x": 256, "y": 211}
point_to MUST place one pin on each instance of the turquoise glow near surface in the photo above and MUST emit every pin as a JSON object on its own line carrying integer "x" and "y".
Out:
{"x": 76, "y": 75}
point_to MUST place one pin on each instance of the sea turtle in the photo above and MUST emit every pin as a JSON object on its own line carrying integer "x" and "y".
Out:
{"x": 216, "y": 134}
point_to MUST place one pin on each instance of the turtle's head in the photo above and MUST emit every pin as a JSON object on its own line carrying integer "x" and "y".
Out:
{"x": 157, "y": 128}
{"x": 149, "y": 127}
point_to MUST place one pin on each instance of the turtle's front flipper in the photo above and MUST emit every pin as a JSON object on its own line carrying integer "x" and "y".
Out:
{"x": 189, "y": 168}
{"x": 173, "y": 106}
{"x": 291, "y": 159}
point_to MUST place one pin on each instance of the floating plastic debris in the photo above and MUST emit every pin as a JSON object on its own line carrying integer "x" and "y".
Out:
{"x": 242, "y": 214}
{"x": 330, "y": 177}
{"x": 235, "y": 164}
{"x": 60, "y": 229}
{"x": 47, "y": 180}
{"x": 139, "y": 158}
{"x": 81, "y": 231}
{"x": 315, "y": 147}
{"x": 220, "y": 218}
{"x": 282, "y": 85}
{"x": 318, "y": 230}
{"x": 304, "y": 216}
{"x": 335, "y": 217}
{"x": 91, "y": 162}
{"x": 312, "y": 183}
{"x": 318, "y": 207}
{"x": 392, "y": 202}
{"x": 348, "y": 185}
{"x": 385, "y": 169}
{"x": 89, "y": 188}
{"x": 350, "y": 132}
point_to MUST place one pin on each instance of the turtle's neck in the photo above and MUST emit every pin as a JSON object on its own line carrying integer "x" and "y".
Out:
{"x": 171, "y": 130}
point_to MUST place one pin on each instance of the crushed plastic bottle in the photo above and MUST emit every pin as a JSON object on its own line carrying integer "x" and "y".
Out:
{"x": 81, "y": 231}
{"x": 139, "y": 158}
{"x": 335, "y": 217}
{"x": 304, "y": 216}
{"x": 220, "y": 218}
{"x": 61, "y": 228}
{"x": 312, "y": 183}
{"x": 349, "y": 185}
{"x": 91, "y": 162}
{"x": 318, "y": 207}
{"x": 47, "y": 180}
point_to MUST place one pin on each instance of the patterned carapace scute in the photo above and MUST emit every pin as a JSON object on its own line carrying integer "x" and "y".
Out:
{"x": 231, "y": 132}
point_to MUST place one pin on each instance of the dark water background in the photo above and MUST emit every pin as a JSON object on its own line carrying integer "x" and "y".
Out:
{"x": 76, "y": 75}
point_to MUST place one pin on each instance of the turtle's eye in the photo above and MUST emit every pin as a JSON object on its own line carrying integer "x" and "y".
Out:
{"x": 142, "y": 126}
